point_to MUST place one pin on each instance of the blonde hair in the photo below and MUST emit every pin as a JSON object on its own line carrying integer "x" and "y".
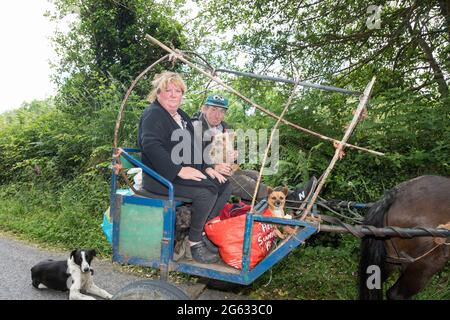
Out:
{"x": 162, "y": 80}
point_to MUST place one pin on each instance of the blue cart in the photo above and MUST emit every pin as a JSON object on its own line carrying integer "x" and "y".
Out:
{"x": 144, "y": 231}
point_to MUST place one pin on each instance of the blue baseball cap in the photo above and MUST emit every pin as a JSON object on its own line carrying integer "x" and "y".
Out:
{"x": 217, "y": 100}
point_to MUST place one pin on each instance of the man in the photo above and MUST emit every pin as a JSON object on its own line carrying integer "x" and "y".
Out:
{"x": 210, "y": 121}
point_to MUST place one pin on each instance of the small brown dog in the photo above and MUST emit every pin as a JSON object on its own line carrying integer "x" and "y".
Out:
{"x": 276, "y": 198}
{"x": 222, "y": 147}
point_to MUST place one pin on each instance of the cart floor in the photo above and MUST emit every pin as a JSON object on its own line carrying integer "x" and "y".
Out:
{"x": 219, "y": 266}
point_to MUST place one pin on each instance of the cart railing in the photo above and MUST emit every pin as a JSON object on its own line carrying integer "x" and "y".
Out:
{"x": 166, "y": 263}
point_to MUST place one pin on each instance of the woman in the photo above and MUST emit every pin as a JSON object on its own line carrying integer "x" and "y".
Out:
{"x": 207, "y": 188}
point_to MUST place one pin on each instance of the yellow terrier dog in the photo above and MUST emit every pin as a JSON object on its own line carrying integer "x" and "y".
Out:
{"x": 276, "y": 199}
{"x": 222, "y": 149}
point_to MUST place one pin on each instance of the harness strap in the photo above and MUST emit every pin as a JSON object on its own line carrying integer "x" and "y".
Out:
{"x": 405, "y": 258}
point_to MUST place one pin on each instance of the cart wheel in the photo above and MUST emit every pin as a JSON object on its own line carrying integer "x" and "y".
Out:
{"x": 150, "y": 290}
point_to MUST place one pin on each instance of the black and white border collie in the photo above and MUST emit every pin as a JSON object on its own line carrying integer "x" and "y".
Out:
{"x": 74, "y": 274}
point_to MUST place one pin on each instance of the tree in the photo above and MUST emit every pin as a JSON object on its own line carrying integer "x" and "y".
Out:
{"x": 98, "y": 57}
{"x": 105, "y": 46}
{"x": 108, "y": 36}
{"x": 323, "y": 38}
{"x": 345, "y": 43}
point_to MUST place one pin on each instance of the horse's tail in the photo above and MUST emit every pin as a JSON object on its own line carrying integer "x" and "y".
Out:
{"x": 373, "y": 251}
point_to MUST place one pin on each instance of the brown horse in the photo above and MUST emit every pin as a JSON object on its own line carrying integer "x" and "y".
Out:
{"x": 420, "y": 202}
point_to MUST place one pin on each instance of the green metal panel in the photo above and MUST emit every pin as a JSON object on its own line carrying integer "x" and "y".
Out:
{"x": 141, "y": 231}
{"x": 126, "y": 164}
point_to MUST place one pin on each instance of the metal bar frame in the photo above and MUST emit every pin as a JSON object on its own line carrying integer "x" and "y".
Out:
{"x": 165, "y": 264}
{"x": 284, "y": 80}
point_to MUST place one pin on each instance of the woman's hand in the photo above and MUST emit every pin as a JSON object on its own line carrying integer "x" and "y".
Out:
{"x": 189, "y": 173}
{"x": 215, "y": 175}
{"x": 223, "y": 168}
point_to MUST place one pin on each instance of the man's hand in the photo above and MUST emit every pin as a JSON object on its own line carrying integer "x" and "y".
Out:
{"x": 189, "y": 173}
{"x": 232, "y": 155}
{"x": 215, "y": 175}
{"x": 223, "y": 168}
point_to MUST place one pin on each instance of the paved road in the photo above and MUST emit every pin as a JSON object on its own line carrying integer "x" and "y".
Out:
{"x": 17, "y": 258}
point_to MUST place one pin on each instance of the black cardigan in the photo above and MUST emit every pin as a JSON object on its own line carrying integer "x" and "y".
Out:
{"x": 154, "y": 139}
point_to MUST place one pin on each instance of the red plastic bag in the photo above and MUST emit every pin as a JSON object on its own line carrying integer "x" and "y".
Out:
{"x": 233, "y": 210}
{"x": 228, "y": 236}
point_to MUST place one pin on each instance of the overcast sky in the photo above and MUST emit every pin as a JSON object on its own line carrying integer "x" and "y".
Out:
{"x": 25, "y": 51}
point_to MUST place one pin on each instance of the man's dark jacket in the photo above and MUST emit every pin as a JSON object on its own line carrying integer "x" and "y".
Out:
{"x": 199, "y": 121}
